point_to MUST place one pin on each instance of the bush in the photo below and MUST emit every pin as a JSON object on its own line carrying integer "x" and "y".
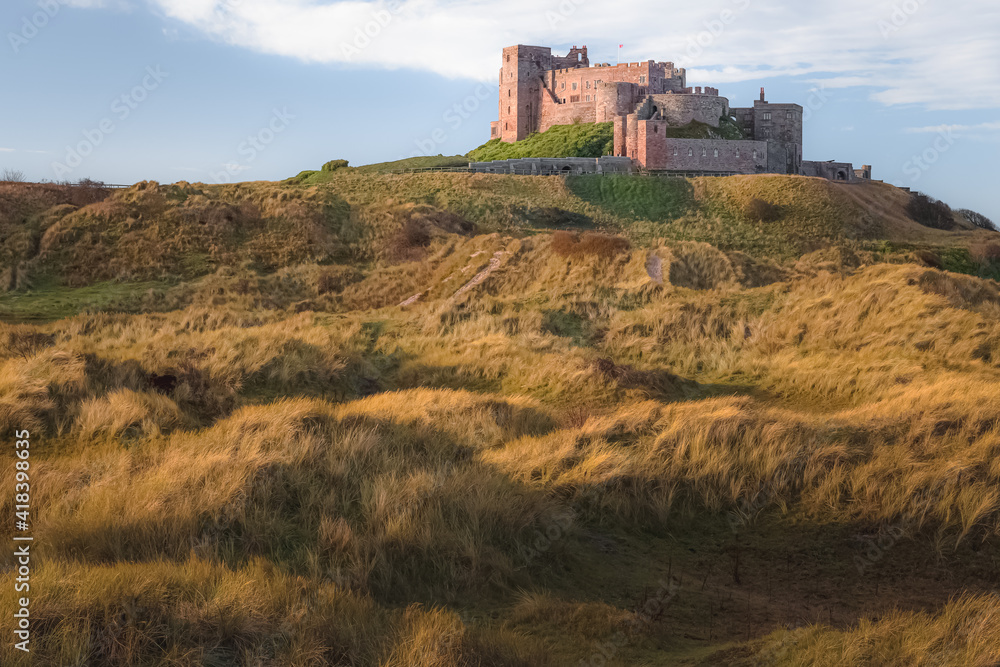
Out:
{"x": 930, "y": 212}
{"x": 408, "y": 243}
{"x": 979, "y": 220}
{"x": 333, "y": 279}
{"x": 985, "y": 253}
{"x": 12, "y": 176}
{"x": 334, "y": 165}
{"x": 759, "y": 210}
{"x": 567, "y": 244}
{"x": 23, "y": 342}
{"x": 929, "y": 258}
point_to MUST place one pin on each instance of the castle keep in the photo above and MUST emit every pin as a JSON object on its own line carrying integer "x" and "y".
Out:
{"x": 644, "y": 101}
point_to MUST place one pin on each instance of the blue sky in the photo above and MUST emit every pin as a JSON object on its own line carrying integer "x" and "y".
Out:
{"x": 214, "y": 90}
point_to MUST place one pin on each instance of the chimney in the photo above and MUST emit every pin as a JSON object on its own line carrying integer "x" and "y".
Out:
{"x": 762, "y": 94}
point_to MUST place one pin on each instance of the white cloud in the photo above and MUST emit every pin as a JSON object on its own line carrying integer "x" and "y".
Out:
{"x": 98, "y": 4}
{"x": 942, "y": 55}
{"x": 957, "y": 130}
{"x": 7, "y": 150}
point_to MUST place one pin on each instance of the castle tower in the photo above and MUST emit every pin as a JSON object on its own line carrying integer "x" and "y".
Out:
{"x": 520, "y": 90}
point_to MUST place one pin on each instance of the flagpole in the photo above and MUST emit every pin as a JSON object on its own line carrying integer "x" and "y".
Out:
{"x": 620, "y": 53}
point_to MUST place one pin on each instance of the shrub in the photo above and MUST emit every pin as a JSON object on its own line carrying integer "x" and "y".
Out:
{"x": 12, "y": 176}
{"x": 24, "y": 342}
{"x": 760, "y": 210}
{"x": 568, "y": 244}
{"x": 88, "y": 191}
{"x": 333, "y": 279}
{"x": 409, "y": 242}
{"x": 979, "y": 220}
{"x": 930, "y": 212}
{"x": 985, "y": 253}
{"x": 700, "y": 266}
{"x": 334, "y": 165}
{"x": 929, "y": 258}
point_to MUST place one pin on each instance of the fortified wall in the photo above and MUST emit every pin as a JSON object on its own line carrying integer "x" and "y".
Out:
{"x": 643, "y": 99}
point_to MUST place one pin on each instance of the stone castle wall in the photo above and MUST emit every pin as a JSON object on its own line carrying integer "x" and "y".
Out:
{"x": 656, "y": 152}
{"x": 539, "y": 90}
{"x": 680, "y": 110}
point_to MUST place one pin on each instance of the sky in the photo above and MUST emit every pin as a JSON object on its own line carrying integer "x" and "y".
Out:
{"x": 231, "y": 90}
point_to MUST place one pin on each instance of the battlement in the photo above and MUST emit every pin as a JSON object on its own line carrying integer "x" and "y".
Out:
{"x": 577, "y": 57}
{"x": 539, "y": 90}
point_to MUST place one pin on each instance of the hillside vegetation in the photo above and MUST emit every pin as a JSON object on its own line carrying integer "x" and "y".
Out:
{"x": 342, "y": 167}
{"x": 589, "y": 140}
{"x": 578, "y": 140}
{"x": 476, "y": 420}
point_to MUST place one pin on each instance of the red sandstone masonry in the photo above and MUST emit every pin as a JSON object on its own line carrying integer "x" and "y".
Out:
{"x": 539, "y": 90}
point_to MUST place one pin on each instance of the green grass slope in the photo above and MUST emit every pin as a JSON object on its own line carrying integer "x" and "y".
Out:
{"x": 579, "y": 140}
{"x": 420, "y": 162}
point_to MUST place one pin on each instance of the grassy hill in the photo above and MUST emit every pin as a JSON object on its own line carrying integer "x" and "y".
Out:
{"x": 589, "y": 140}
{"x": 341, "y": 167}
{"x": 580, "y": 140}
{"x": 452, "y": 419}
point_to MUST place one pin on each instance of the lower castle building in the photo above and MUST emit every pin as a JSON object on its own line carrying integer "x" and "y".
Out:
{"x": 645, "y": 101}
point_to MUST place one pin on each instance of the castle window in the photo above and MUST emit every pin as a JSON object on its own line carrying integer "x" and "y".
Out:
{"x": 737, "y": 152}
{"x": 563, "y": 87}
{"x": 642, "y": 79}
{"x": 767, "y": 115}
{"x": 716, "y": 152}
{"x": 790, "y": 115}
{"x": 767, "y": 132}
{"x": 704, "y": 152}
{"x": 675, "y": 151}
{"x": 574, "y": 86}
{"x": 690, "y": 152}
{"x": 755, "y": 155}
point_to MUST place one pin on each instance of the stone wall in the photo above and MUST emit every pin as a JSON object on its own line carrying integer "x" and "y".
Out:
{"x": 654, "y": 151}
{"x": 833, "y": 171}
{"x": 781, "y": 126}
{"x": 681, "y": 109}
{"x": 520, "y": 90}
{"x": 566, "y": 114}
{"x": 615, "y": 99}
{"x": 539, "y": 90}
{"x": 556, "y": 166}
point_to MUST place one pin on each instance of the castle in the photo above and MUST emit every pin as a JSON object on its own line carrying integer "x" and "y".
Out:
{"x": 644, "y": 101}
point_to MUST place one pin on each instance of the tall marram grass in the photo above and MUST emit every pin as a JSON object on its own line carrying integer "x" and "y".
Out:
{"x": 966, "y": 632}
{"x": 275, "y": 466}
{"x": 196, "y": 612}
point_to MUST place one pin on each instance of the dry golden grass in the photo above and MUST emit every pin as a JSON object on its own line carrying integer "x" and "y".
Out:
{"x": 195, "y": 612}
{"x": 287, "y": 467}
{"x": 965, "y": 632}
